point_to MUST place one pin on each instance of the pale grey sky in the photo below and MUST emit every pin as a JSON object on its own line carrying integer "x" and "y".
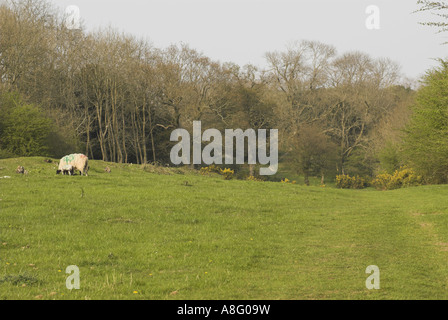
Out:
{"x": 243, "y": 31}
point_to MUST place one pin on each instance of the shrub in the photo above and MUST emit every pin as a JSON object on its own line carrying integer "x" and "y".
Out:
{"x": 227, "y": 173}
{"x": 210, "y": 169}
{"x": 403, "y": 177}
{"x": 390, "y": 158}
{"x": 252, "y": 178}
{"x": 382, "y": 181}
{"x": 4, "y": 154}
{"x": 344, "y": 181}
{"x": 25, "y": 130}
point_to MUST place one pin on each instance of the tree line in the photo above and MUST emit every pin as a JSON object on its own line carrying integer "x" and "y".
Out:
{"x": 117, "y": 98}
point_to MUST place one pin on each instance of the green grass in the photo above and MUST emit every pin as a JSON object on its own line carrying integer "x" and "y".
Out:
{"x": 146, "y": 231}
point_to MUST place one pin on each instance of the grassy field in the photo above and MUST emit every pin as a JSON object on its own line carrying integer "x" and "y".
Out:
{"x": 147, "y": 234}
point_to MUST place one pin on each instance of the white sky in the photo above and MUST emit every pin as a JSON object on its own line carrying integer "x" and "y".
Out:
{"x": 243, "y": 31}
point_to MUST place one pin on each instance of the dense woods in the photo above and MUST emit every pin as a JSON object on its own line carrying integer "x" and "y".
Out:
{"x": 117, "y": 98}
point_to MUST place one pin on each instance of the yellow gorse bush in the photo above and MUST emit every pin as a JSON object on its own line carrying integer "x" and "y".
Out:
{"x": 286, "y": 180}
{"x": 227, "y": 172}
{"x": 344, "y": 181}
{"x": 210, "y": 169}
{"x": 252, "y": 178}
{"x": 403, "y": 177}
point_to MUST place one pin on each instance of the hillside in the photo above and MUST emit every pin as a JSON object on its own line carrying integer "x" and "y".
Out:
{"x": 160, "y": 233}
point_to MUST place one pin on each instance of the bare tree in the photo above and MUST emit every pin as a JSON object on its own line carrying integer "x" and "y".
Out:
{"x": 438, "y": 9}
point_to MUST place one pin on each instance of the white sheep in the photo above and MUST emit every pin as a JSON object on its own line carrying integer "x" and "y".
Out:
{"x": 77, "y": 161}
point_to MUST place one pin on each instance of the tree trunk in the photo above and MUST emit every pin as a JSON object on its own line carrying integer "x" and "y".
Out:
{"x": 87, "y": 132}
{"x": 251, "y": 170}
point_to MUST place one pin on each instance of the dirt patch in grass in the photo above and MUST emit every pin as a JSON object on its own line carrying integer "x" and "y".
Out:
{"x": 443, "y": 246}
{"x": 19, "y": 279}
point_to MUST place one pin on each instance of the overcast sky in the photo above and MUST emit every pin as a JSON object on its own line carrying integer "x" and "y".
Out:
{"x": 243, "y": 31}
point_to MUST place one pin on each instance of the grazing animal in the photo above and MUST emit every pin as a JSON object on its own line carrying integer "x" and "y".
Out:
{"x": 107, "y": 169}
{"x": 20, "y": 169}
{"x": 79, "y": 162}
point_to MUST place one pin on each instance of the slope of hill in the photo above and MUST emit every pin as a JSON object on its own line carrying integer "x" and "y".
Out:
{"x": 159, "y": 233}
